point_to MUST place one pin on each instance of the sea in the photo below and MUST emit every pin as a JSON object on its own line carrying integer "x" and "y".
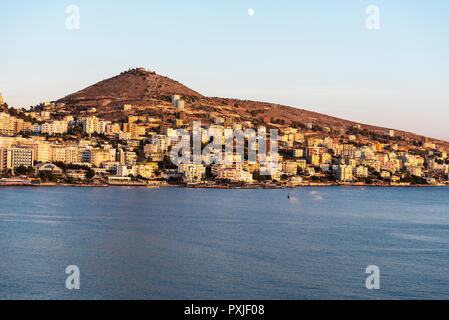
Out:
{"x": 183, "y": 243}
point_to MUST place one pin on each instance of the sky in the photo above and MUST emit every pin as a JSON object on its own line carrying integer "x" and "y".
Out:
{"x": 317, "y": 55}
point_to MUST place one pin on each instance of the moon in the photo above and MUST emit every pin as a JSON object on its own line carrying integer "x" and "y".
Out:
{"x": 251, "y": 11}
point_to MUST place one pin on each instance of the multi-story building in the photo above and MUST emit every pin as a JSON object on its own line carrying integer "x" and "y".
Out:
{"x": 124, "y": 171}
{"x": 162, "y": 141}
{"x": 298, "y": 153}
{"x": 180, "y": 105}
{"x": 145, "y": 170}
{"x": 9, "y": 125}
{"x": 20, "y": 156}
{"x": 385, "y": 174}
{"x": 54, "y": 127}
{"x": 302, "y": 163}
{"x": 130, "y": 158}
{"x": 91, "y": 125}
{"x": 3, "y": 158}
{"x": 72, "y": 155}
{"x": 42, "y": 152}
{"x": 112, "y": 128}
{"x": 174, "y": 98}
{"x": 58, "y": 153}
{"x": 360, "y": 172}
{"x": 344, "y": 173}
{"x": 290, "y": 167}
{"x": 192, "y": 173}
{"x": 235, "y": 175}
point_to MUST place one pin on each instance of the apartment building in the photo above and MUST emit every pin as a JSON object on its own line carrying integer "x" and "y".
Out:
{"x": 54, "y": 127}
{"x": 344, "y": 173}
{"x": 19, "y": 156}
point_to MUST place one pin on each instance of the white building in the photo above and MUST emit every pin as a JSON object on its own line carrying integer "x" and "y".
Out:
{"x": 192, "y": 173}
{"x": 54, "y": 127}
{"x": 360, "y": 172}
{"x": 91, "y": 125}
{"x": 344, "y": 173}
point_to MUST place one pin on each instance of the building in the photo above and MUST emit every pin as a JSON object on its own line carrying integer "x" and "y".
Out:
{"x": 58, "y": 153}
{"x": 130, "y": 158}
{"x": 192, "y": 173}
{"x": 385, "y": 174}
{"x": 54, "y": 127}
{"x": 162, "y": 141}
{"x": 180, "y": 105}
{"x": 360, "y": 172}
{"x": 174, "y": 98}
{"x": 72, "y": 155}
{"x": 77, "y": 174}
{"x": 112, "y": 128}
{"x": 298, "y": 153}
{"x": 235, "y": 175}
{"x": 98, "y": 156}
{"x": 415, "y": 170}
{"x": 42, "y": 152}
{"x": 124, "y": 171}
{"x": 290, "y": 168}
{"x": 7, "y": 124}
{"x": 3, "y": 159}
{"x": 19, "y": 156}
{"x": 145, "y": 170}
{"x": 344, "y": 173}
{"x": 91, "y": 125}
{"x": 48, "y": 167}
{"x": 389, "y": 133}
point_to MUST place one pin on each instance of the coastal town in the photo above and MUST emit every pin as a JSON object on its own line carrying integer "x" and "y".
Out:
{"x": 49, "y": 145}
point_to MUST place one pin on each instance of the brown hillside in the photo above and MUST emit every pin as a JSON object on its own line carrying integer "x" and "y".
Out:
{"x": 151, "y": 94}
{"x": 137, "y": 87}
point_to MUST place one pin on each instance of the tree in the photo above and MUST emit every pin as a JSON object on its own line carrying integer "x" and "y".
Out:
{"x": 22, "y": 170}
{"x": 90, "y": 174}
{"x": 166, "y": 163}
{"x": 258, "y": 177}
{"x": 47, "y": 176}
{"x": 175, "y": 180}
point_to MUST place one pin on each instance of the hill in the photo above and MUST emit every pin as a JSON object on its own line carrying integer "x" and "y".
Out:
{"x": 150, "y": 94}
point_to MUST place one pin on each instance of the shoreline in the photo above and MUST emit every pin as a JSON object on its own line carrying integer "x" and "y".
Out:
{"x": 249, "y": 187}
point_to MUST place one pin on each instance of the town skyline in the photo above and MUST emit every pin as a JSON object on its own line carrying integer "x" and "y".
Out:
{"x": 136, "y": 128}
{"x": 316, "y": 56}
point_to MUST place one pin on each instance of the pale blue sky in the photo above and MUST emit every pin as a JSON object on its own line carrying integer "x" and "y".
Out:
{"x": 316, "y": 55}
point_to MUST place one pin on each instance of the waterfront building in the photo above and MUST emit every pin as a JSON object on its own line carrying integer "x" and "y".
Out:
{"x": 235, "y": 175}
{"x": 344, "y": 173}
{"x": 290, "y": 167}
{"x": 360, "y": 172}
{"x": 48, "y": 167}
{"x": 192, "y": 173}
{"x": 20, "y": 156}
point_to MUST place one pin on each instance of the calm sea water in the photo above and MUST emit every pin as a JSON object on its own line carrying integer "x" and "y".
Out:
{"x": 175, "y": 243}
